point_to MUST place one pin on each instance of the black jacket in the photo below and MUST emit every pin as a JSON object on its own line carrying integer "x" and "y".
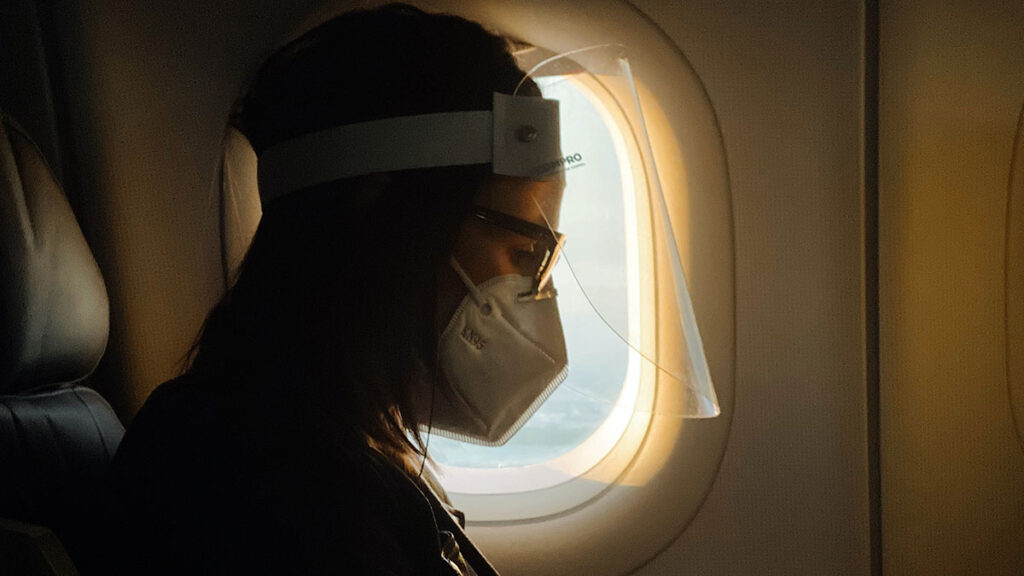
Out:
{"x": 205, "y": 482}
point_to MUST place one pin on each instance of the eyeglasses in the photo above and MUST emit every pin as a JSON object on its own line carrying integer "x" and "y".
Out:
{"x": 545, "y": 253}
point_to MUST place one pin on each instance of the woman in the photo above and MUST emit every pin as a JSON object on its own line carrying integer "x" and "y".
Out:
{"x": 292, "y": 443}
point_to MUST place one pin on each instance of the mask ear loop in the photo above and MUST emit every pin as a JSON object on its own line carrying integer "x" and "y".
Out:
{"x": 434, "y": 374}
{"x": 474, "y": 292}
{"x": 430, "y": 414}
{"x": 479, "y": 299}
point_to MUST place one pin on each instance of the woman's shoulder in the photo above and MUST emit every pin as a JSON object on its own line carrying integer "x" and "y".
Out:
{"x": 200, "y": 470}
{"x": 175, "y": 412}
{"x": 192, "y": 426}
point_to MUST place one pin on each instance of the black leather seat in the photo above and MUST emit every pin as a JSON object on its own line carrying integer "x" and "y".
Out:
{"x": 56, "y": 436}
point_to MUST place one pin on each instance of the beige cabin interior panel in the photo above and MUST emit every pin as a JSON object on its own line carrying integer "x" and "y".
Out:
{"x": 149, "y": 87}
{"x": 952, "y": 86}
{"x": 792, "y": 493}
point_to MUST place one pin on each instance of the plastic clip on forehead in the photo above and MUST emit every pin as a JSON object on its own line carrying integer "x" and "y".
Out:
{"x": 519, "y": 136}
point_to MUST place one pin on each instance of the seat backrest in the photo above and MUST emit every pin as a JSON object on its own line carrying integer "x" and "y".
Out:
{"x": 56, "y": 436}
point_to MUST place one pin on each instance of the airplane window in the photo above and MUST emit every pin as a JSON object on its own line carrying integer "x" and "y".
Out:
{"x": 579, "y": 411}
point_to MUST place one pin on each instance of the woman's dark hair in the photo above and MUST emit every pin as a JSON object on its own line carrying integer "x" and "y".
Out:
{"x": 334, "y": 305}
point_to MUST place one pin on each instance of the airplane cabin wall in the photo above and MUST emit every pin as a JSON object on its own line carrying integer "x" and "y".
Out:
{"x": 791, "y": 496}
{"x": 951, "y": 92}
{"x": 148, "y": 88}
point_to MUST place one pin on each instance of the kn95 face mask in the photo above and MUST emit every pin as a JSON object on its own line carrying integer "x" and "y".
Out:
{"x": 501, "y": 356}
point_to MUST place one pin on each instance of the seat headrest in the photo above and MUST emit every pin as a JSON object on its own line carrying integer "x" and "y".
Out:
{"x": 53, "y": 302}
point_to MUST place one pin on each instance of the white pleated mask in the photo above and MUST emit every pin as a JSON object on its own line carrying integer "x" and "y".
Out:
{"x": 501, "y": 358}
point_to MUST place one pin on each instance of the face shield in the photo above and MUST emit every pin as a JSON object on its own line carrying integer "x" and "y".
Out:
{"x": 607, "y": 251}
{"x": 619, "y": 276}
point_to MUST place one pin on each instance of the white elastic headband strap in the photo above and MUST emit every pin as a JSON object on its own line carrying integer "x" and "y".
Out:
{"x": 519, "y": 137}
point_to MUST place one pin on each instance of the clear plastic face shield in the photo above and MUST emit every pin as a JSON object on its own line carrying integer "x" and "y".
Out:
{"x": 602, "y": 244}
{"x": 620, "y": 282}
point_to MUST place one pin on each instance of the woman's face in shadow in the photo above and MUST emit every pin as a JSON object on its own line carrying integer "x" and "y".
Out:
{"x": 486, "y": 251}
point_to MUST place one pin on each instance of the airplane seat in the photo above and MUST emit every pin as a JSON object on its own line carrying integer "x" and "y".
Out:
{"x": 56, "y": 435}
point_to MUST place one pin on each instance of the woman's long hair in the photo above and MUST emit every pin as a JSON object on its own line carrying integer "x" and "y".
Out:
{"x": 334, "y": 306}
